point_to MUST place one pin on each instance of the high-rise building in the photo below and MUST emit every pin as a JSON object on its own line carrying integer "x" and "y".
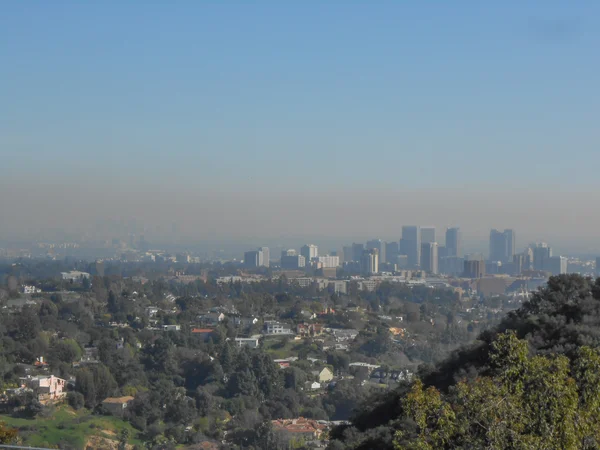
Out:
{"x": 451, "y": 265}
{"x": 474, "y": 268}
{"x": 328, "y": 261}
{"x": 453, "y": 242}
{"x": 557, "y": 265}
{"x": 502, "y": 245}
{"x": 266, "y": 256}
{"x": 357, "y": 252}
{"x": 410, "y": 245}
{"x": 392, "y": 250}
{"x": 290, "y": 259}
{"x": 347, "y": 253}
{"x": 380, "y": 246}
{"x": 429, "y": 257}
{"x": 427, "y": 235}
{"x": 252, "y": 259}
{"x": 370, "y": 261}
{"x": 309, "y": 252}
{"x": 542, "y": 252}
{"x": 598, "y": 265}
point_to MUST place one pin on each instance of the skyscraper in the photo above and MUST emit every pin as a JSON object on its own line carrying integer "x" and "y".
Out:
{"x": 369, "y": 262}
{"x": 380, "y": 246}
{"x": 410, "y": 245}
{"x": 392, "y": 250}
{"x": 474, "y": 268}
{"x": 266, "y": 256}
{"x": 427, "y": 235}
{"x": 453, "y": 241}
{"x": 429, "y": 257}
{"x": 357, "y": 251}
{"x": 502, "y": 245}
{"x": 557, "y": 265}
{"x": 252, "y": 259}
{"x": 290, "y": 259}
{"x": 541, "y": 256}
{"x": 309, "y": 252}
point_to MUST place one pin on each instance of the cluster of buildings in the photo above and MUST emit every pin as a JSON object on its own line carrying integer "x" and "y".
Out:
{"x": 419, "y": 249}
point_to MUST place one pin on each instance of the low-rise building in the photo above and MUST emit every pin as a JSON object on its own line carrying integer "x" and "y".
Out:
{"x": 252, "y": 342}
{"x": 301, "y": 427}
{"x": 274, "y": 327}
{"x": 324, "y": 375}
{"x": 117, "y": 405}
{"x": 46, "y": 388}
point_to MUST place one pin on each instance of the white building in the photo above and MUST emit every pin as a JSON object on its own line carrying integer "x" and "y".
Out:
{"x": 274, "y": 327}
{"x": 309, "y": 252}
{"x": 74, "y": 275}
{"x": 252, "y": 342}
{"x": 327, "y": 261}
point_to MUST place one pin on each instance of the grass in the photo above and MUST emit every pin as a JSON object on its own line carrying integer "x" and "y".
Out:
{"x": 65, "y": 425}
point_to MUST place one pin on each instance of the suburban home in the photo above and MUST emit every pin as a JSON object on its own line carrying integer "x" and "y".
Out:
{"x": 151, "y": 311}
{"x": 324, "y": 375}
{"x": 306, "y": 428}
{"x": 282, "y": 363}
{"x": 171, "y": 327}
{"x": 203, "y": 333}
{"x": 244, "y": 321}
{"x": 46, "y": 388}
{"x": 274, "y": 327}
{"x": 309, "y": 329}
{"x": 117, "y": 405}
{"x": 212, "y": 318}
{"x": 342, "y": 335}
{"x": 252, "y": 342}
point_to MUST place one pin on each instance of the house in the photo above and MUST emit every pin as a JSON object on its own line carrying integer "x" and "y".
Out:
{"x": 171, "y": 327}
{"x": 203, "y": 333}
{"x": 324, "y": 375}
{"x": 117, "y": 405}
{"x": 274, "y": 327}
{"x": 74, "y": 275}
{"x": 342, "y": 335}
{"x": 314, "y": 385}
{"x": 28, "y": 289}
{"x": 309, "y": 329}
{"x": 244, "y": 322}
{"x": 301, "y": 427}
{"x": 46, "y": 388}
{"x": 151, "y": 311}
{"x": 252, "y": 342}
{"x": 282, "y": 363}
{"x": 212, "y": 318}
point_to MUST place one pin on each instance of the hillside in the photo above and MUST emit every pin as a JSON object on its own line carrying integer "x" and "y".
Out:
{"x": 541, "y": 358}
{"x": 72, "y": 430}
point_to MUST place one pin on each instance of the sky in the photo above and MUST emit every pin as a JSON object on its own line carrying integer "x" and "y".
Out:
{"x": 258, "y": 119}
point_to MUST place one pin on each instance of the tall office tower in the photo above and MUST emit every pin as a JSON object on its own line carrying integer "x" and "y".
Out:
{"x": 402, "y": 262}
{"x": 451, "y": 265}
{"x": 266, "y": 256}
{"x": 290, "y": 259}
{"x": 410, "y": 245}
{"x": 427, "y": 235}
{"x": 357, "y": 252}
{"x": 453, "y": 241}
{"x": 557, "y": 265}
{"x": 380, "y": 246}
{"x": 253, "y": 259}
{"x": 392, "y": 250}
{"x": 347, "y": 253}
{"x": 541, "y": 254}
{"x": 474, "y": 268}
{"x": 429, "y": 257}
{"x": 502, "y": 245}
{"x": 598, "y": 265}
{"x": 369, "y": 262}
{"x": 309, "y": 252}
{"x": 528, "y": 261}
{"x": 328, "y": 261}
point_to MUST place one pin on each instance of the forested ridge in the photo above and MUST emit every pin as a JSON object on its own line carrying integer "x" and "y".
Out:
{"x": 531, "y": 382}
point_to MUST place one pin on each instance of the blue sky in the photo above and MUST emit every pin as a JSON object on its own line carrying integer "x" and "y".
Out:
{"x": 417, "y": 94}
{"x": 304, "y": 96}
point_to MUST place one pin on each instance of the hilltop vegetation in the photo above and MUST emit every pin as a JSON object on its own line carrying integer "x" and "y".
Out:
{"x": 531, "y": 382}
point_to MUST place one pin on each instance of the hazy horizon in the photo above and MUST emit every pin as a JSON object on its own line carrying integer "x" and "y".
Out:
{"x": 287, "y": 122}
